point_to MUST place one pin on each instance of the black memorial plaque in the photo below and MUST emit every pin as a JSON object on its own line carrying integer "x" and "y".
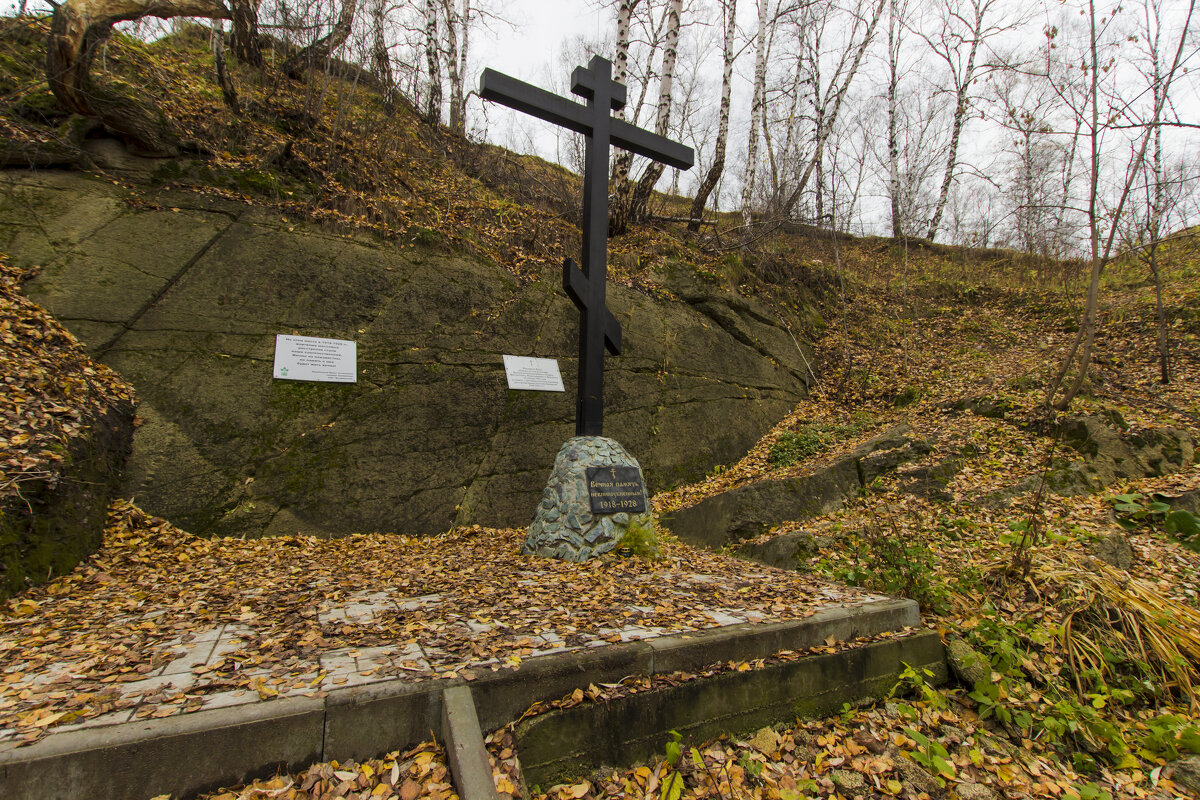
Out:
{"x": 615, "y": 489}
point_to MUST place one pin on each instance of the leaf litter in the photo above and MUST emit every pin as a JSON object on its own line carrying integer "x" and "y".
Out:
{"x": 925, "y": 742}
{"x": 70, "y": 646}
{"x": 52, "y": 392}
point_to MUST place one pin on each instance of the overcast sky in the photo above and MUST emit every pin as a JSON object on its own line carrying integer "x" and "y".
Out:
{"x": 529, "y": 49}
{"x": 539, "y": 28}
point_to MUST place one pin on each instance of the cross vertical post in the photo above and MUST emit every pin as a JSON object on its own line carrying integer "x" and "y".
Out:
{"x": 599, "y": 330}
{"x": 589, "y": 414}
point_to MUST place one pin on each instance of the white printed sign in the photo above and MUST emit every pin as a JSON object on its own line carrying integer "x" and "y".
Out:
{"x": 536, "y": 374}
{"x": 310, "y": 358}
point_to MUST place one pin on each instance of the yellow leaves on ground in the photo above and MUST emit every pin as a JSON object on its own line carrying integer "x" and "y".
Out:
{"x": 52, "y": 392}
{"x": 105, "y": 624}
{"x": 418, "y": 774}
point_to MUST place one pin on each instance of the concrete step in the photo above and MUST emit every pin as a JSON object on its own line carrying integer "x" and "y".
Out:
{"x": 566, "y": 745}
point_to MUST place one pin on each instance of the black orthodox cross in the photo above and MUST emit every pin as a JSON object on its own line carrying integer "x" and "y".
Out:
{"x": 599, "y": 329}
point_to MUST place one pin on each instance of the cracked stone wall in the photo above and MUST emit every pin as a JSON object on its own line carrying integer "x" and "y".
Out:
{"x": 184, "y": 296}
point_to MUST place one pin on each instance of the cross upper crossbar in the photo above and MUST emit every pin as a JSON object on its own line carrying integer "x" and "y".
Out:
{"x": 599, "y": 329}
{"x": 529, "y": 99}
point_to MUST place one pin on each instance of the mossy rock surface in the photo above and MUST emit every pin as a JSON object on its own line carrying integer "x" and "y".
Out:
{"x": 184, "y": 297}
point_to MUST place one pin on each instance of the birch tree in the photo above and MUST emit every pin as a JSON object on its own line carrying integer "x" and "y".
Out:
{"x": 757, "y": 111}
{"x": 1160, "y": 191}
{"x": 625, "y": 9}
{"x": 453, "y": 75}
{"x": 893, "y": 147}
{"x": 654, "y": 170}
{"x": 1103, "y": 223}
{"x": 831, "y": 100}
{"x": 909, "y": 163}
{"x": 963, "y": 29}
{"x": 433, "y": 60}
{"x": 1038, "y": 188}
{"x": 639, "y": 38}
{"x": 458, "y": 99}
{"x": 713, "y": 176}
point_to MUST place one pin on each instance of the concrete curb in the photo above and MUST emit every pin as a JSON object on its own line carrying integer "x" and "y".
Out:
{"x": 183, "y": 755}
{"x": 193, "y": 753}
{"x": 464, "y": 746}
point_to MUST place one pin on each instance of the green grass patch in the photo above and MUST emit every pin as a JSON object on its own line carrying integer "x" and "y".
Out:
{"x": 816, "y": 437}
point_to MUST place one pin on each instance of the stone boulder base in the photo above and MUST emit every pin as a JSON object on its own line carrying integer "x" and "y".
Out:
{"x": 564, "y": 526}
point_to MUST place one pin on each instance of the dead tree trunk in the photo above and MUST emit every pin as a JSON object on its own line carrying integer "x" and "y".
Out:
{"x": 228, "y": 91}
{"x": 381, "y": 57}
{"x": 244, "y": 40}
{"x": 317, "y": 54}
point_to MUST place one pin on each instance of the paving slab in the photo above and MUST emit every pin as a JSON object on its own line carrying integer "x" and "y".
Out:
{"x": 239, "y": 737}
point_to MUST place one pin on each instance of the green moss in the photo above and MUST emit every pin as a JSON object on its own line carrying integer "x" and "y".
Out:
{"x": 908, "y": 396}
{"x": 426, "y": 237}
{"x": 257, "y": 181}
{"x": 40, "y": 102}
{"x": 65, "y": 525}
{"x": 301, "y": 472}
{"x": 1025, "y": 383}
{"x": 296, "y": 397}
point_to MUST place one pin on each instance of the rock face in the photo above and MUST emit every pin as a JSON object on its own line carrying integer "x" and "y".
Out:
{"x": 1112, "y": 454}
{"x": 1113, "y": 549}
{"x": 1186, "y": 773}
{"x": 786, "y": 551}
{"x": 966, "y": 664}
{"x": 66, "y": 425}
{"x": 184, "y": 297}
{"x": 564, "y": 526}
{"x": 752, "y": 510}
{"x": 1107, "y": 453}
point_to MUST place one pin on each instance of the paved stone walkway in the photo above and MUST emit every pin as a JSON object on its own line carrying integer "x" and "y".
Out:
{"x": 183, "y": 684}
